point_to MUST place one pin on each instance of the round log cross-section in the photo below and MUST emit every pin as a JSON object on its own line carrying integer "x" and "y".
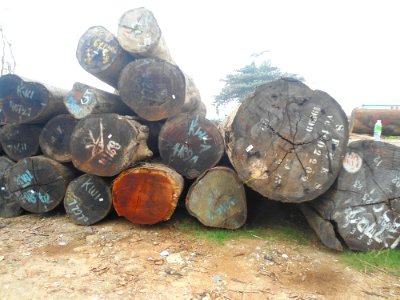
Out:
{"x": 147, "y": 194}
{"x": 287, "y": 141}
{"x": 217, "y": 199}
{"x": 106, "y": 144}
{"x": 362, "y": 209}
{"x": 9, "y": 207}
{"x": 190, "y": 144}
{"x": 88, "y": 199}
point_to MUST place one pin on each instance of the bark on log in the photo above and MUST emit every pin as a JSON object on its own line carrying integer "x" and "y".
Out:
{"x": 28, "y": 102}
{"x": 363, "y": 206}
{"x": 84, "y": 100}
{"x": 156, "y": 89}
{"x": 55, "y": 137}
{"x": 38, "y": 183}
{"x": 8, "y": 206}
{"x": 147, "y": 194}
{"x": 100, "y": 54}
{"x": 21, "y": 140}
{"x": 106, "y": 144}
{"x": 140, "y": 35}
{"x": 88, "y": 199}
{"x": 287, "y": 141}
{"x": 363, "y": 121}
{"x": 217, "y": 199}
{"x": 190, "y": 144}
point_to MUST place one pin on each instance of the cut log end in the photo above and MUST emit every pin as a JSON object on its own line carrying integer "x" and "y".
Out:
{"x": 9, "y": 207}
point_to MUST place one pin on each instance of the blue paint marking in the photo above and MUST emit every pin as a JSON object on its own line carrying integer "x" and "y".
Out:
{"x": 25, "y": 179}
{"x": 71, "y": 103}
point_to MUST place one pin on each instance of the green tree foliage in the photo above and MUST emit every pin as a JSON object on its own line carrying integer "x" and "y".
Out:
{"x": 245, "y": 80}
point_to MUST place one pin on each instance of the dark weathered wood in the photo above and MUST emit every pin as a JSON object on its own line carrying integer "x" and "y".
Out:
{"x": 88, "y": 199}
{"x": 217, "y": 199}
{"x": 106, "y": 144}
{"x": 287, "y": 141}
{"x": 8, "y": 206}
{"x": 190, "y": 144}
{"x": 140, "y": 35}
{"x": 84, "y": 100}
{"x": 364, "y": 204}
{"x": 363, "y": 121}
{"x": 28, "y": 101}
{"x": 20, "y": 140}
{"x": 100, "y": 54}
{"x": 156, "y": 89}
{"x": 147, "y": 194}
{"x": 38, "y": 183}
{"x": 55, "y": 137}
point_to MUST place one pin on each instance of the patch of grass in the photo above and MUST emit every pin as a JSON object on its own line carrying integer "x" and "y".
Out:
{"x": 391, "y": 137}
{"x": 381, "y": 260}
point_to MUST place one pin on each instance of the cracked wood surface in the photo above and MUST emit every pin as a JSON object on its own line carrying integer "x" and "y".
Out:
{"x": 363, "y": 205}
{"x": 287, "y": 141}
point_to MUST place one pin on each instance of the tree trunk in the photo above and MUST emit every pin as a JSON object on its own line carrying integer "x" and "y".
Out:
{"x": 217, "y": 199}
{"x": 21, "y": 140}
{"x": 84, "y": 100}
{"x": 140, "y": 35}
{"x": 287, "y": 141}
{"x": 106, "y": 144}
{"x": 38, "y": 183}
{"x": 100, "y": 54}
{"x": 157, "y": 90}
{"x": 147, "y": 194}
{"x": 28, "y": 102}
{"x": 8, "y": 206}
{"x": 364, "y": 203}
{"x": 55, "y": 137}
{"x": 190, "y": 144}
{"x": 363, "y": 121}
{"x": 88, "y": 199}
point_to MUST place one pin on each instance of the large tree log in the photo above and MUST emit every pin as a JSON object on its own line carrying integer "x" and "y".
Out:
{"x": 217, "y": 199}
{"x": 147, "y": 194}
{"x": 190, "y": 144}
{"x": 88, "y": 199}
{"x": 28, "y": 102}
{"x": 21, "y": 140}
{"x": 84, "y": 100}
{"x": 363, "y": 121}
{"x": 156, "y": 89}
{"x": 140, "y": 35}
{"x": 362, "y": 209}
{"x": 106, "y": 144}
{"x": 100, "y": 54}
{"x": 8, "y": 206}
{"x": 55, "y": 137}
{"x": 287, "y": 141}
{"x": 38, "y": 183}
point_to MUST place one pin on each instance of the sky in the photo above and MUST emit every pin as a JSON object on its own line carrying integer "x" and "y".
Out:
{"x": 348, "y": 49}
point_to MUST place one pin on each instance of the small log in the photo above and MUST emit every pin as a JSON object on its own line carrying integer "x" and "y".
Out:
{"x": 363, "y": 206}
{"x": 106, "y": 144}
{"x": 147, "y": 194}
{"x": 55, "y": 137}
{"x": 84, "y": 100}
{"x": 287, "y": 142}
{"x": 140, "y": 35}
{"x": 20, "y": 140}
{"x": 100, "y": 54}
{"x": 190, "y": 144}
{"x": 363, "y": 121}
{"x": 39, "y": 183}
{"x": 8, "y": 206}
{"x": 217, "y": 199}
{"x": 88, "y": 199}
{"x": 156, "y": 89}
{"x": 28, "y": 101}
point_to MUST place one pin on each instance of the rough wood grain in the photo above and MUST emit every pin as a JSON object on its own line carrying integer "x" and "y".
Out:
{"x": 363, "y": 121}
{"x": 8, "y": 206}
{"x": 287, "y": 141}
{"x": 217, "y": 199}
{"x": 147, "y": 194}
